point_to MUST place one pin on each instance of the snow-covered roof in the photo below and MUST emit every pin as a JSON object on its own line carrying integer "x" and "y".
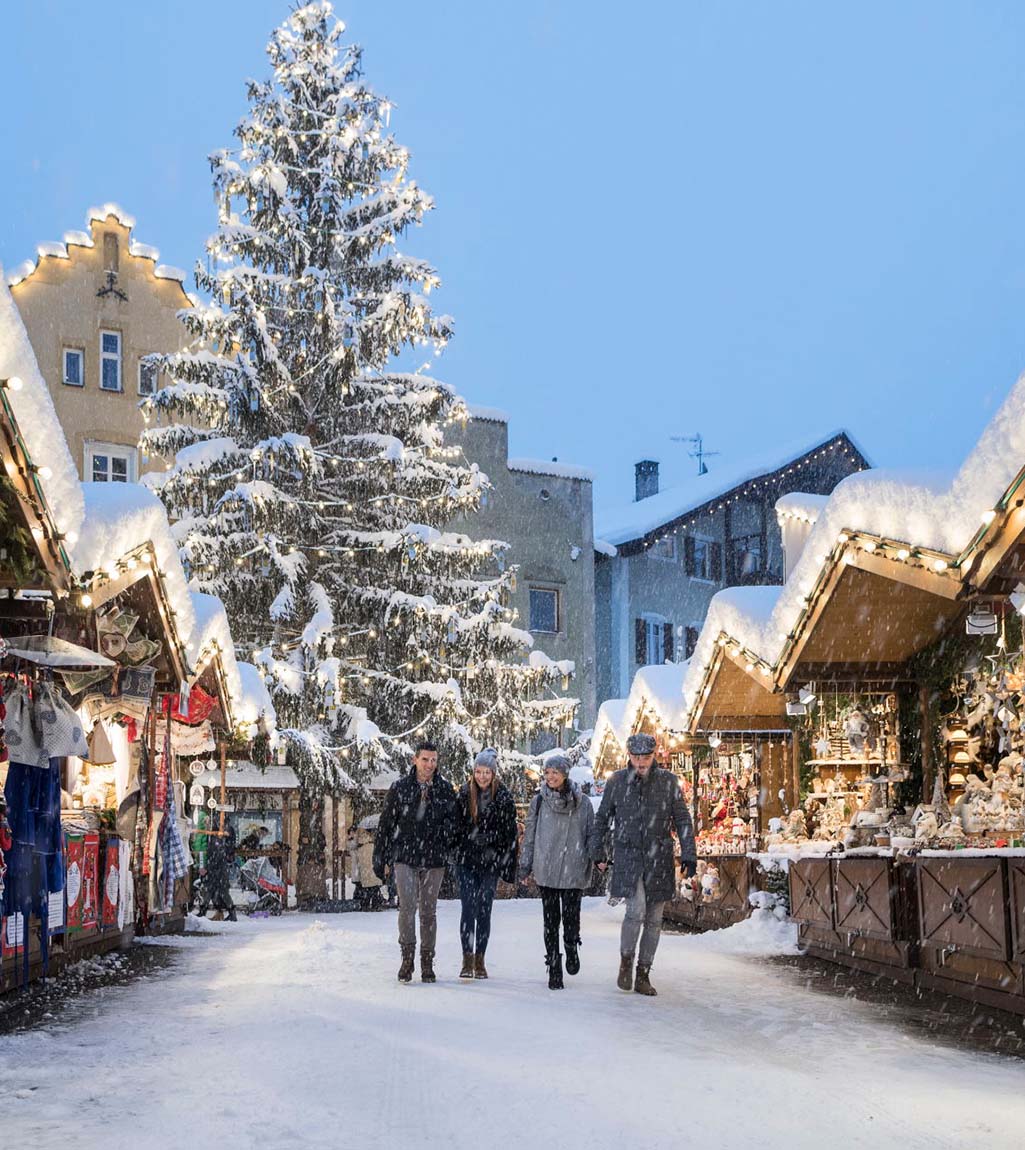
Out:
{"x": 641, "y": 518}
{"x": 604, "y": 547}
{"x": 800, "y": 505}
{"x": 488, "y": 414}
{"x": 609, "y": 722}
{"x": 240, "y": 775}
{"x": 935, "y": 514}
{"x": 552, "y": 467}
{"x": 37, "y": 419}
{"x": 136, "y": 248}
{"x": 110, "y": 209}
{"x": 660, "y": 687}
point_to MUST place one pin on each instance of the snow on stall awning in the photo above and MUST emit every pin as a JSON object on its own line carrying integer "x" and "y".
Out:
{"x": 37, "y": 420}
{"x": 658, "y": 687}
{"x": 937, "y": 518}
{"x": 641, "y": 518}
{"x": 121, "y": 518}
{"x": 800, "y": 505}
{"x": 241, "y": 775}
{"x": 609, "y": 723}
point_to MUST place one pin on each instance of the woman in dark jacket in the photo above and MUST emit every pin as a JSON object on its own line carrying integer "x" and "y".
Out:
{"x": 487, "y": 852}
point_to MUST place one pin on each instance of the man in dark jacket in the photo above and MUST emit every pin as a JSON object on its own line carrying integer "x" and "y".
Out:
{"x": 644, "y": 804}
{"x": 418, "y": 828}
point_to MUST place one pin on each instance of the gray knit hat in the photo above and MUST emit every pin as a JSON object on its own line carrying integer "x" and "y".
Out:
{"x": 640, "y": 745}
{"x": 488, "y": 757}
{"x": 557, "y": 763}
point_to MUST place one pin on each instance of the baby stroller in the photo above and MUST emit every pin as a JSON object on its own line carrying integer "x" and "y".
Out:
{"x": 257, "y": 877}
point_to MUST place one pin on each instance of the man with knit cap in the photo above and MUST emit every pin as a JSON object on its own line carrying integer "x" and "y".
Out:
{"x": 643, "y": 804}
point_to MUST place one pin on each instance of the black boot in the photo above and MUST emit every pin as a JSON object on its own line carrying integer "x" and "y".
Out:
{"x": 554, "y": 962}
{"x": 467, "y": 970}
{"x": 406, "y": 969}
{"x": 572, "y": 957}
{"x": 427, "y": 966}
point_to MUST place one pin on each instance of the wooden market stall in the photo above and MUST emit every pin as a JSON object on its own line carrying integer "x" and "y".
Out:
{"x": 901, "y": 672}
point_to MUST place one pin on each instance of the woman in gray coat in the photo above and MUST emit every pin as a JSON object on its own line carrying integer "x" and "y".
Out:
{"x": 557, "y": 849}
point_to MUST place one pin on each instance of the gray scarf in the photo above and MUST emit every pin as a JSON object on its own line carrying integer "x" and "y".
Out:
{"x": 559, "y": 803}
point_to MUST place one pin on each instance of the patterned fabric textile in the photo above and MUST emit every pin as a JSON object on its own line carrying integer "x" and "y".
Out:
{"x": 41, "y": 725}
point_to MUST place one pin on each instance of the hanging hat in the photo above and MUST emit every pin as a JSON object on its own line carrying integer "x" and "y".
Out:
{"x": 640, "y": 745}
{"x": 101, "y": 753}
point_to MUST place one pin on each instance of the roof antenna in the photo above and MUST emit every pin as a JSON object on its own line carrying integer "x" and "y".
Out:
{"x": 699, "y": 453}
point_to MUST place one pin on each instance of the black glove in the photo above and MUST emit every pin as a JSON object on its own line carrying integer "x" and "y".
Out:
{"x": 690, "y": 869}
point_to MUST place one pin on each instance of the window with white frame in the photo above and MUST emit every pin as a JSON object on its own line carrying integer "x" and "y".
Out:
{"x": 665, "y": 548}
{"x": 147, "y": 377}
{"x": 544, "y": 610}
{"x": 110, "y": 360}
{"x": 73, "y": 370}
{"x": 109, "y": 463}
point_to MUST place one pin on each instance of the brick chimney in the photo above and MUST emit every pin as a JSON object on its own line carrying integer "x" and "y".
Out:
{"x": 645, "y": 478}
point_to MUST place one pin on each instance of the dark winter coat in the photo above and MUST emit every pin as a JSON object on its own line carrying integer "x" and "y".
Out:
{"x": 643, "y": 815}
{"x": 558, "y": 841}
{"x": 489, "y": 846}
{"x": 403, "y": 836}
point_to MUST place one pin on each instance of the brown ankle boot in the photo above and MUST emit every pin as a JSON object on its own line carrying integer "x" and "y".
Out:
{"x": 626, "y": 972}
{"x": 479, "y": 969}
{"x": 427, "y": 966}
{"x": 406, "y": 969}
{"x": 467, "y": 970}
{"x": 641, "y": 983}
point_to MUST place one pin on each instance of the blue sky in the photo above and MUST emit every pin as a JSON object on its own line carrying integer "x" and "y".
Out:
{"x": 757, "y": 221}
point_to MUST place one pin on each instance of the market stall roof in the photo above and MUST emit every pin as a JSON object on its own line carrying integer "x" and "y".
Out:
{"x": 33, "y": 449}
{"x": 609, "y": 725}
{"x": 927, "y": 540}
{"x": 241, "y": 775}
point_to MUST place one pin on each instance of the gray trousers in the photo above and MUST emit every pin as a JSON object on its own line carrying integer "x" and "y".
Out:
{"x": 418, "y": 889}
{"x": 641, "y": 912}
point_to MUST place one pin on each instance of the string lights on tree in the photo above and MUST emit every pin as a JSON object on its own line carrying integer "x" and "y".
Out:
{"x": 312, "y": 487}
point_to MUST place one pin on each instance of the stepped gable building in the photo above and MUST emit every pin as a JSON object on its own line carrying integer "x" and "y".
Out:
{"x": 94, "y": 306}
{"x": 544, "y": 511}
{"x": 660, "y": 559}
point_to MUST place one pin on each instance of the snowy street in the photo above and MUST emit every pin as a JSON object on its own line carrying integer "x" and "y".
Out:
{"x": 295, "y": 1032}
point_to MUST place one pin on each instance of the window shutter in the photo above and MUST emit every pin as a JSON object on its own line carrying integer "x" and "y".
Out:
{"x": 716, "y": 562}
{"x": 691, "y": 641}
{"x": 667, "y": 641}
{"x": 640, "y": 641}
{"x": 688, "y": 554}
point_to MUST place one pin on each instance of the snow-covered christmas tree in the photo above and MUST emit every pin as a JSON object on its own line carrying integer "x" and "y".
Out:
{"x": 312, "y": 484}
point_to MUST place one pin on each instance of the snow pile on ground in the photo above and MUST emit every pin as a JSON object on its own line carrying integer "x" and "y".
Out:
{"x": 766, "y": 933}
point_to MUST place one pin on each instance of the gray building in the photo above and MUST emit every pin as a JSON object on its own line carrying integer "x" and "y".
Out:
{"x": 660, "y": 559}
{"x": 544, "y": 511}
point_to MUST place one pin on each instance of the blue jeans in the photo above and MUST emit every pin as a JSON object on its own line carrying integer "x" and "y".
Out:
{"x": 477, "y": 892}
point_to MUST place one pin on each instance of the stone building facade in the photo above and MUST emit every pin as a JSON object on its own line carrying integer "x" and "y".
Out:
{"x": 659, "y": 561}
{"x": 94, "y": 306}
{"x": 544, "y": 511}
